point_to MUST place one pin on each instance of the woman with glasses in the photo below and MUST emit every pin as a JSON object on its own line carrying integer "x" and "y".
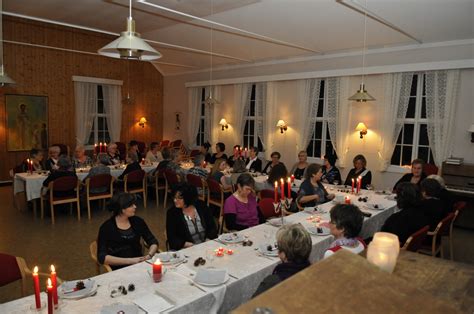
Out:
{"x": 345, "y": 226}
{"x": 240, "y": 209}
{"x": 275, "y": 161}
{"x": 189, "y": 221}
{"x": 300, "y": 167}
{"x": 312, "y": 191}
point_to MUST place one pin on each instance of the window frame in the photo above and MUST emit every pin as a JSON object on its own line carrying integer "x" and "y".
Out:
{"x": 255, "y": 118}
{"x": 95, "y": 124}
{"x": 200, "y": 136}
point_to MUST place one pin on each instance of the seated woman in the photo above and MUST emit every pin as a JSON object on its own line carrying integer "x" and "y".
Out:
{"x": 415, "y": 176}
{"x": 253, "y": 164}
{"x": 431, "y": 205}
{"x": 345, "y": 226}
{"x": 445, "y": 196}
{"x": 359, "y": 170}
{"x": 132, "y": 164}
{"x": 218, "y": 173}
{"x": 312, "y": 191}
{"x": 37, "y": 157}
{"x": 220, "y": 149}
{"x": 294, "y": 247}
{"x": 205, "y": 151}
{"x": 240, "y": 209}
{"x": 299, "y": 168}
{"x": 331, "y": 174}
{"x": 189, "y": 222}
{"x": 64, "y": 170}
{"x": 80, "y": 159}
{"x": 133, "y": 147}
{"x": 113, "y": 154}
{"x": 154, "y": 154}
{"x": 410, "y": 218}
{"x": 51, "y": 163}
{"x": 199, "y": 169}
{"x": 275, "y": 161}
{"x": 278, "y": 172}
{"x": 235, "y": 156}
{"x": 118, "y": 242}
{"x": 99, "y": 168}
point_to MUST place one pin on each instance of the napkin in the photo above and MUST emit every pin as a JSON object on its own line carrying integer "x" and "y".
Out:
{"x": 152, "y": 303}
{"x": 210, "y": 276}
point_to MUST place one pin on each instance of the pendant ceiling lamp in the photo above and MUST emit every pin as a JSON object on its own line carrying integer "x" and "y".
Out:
{"x": 129, "y": 45}
{"x": 211, "y": 100}
{"x": 362, "y": 95}
{"x": 5, "y": 80}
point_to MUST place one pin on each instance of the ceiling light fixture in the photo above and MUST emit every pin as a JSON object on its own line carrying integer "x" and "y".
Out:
{"x": 129, "y": 45}
{"x": 362, "y": 95}
{"x": 211, "y": 100}
{"x": 5, "y": 80}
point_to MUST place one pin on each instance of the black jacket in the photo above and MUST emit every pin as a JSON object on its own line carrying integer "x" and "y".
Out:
{"x": 256, "y": 165}
{"x": 433, "y": 209}
{"x": 130, "y": 167}
{"x": 405, "y": 223}
{"x": 177, "y": 229}
{"x": 407, "y": 178}
{"x": 367, "y": 179}
{"x": 110, "y": 241}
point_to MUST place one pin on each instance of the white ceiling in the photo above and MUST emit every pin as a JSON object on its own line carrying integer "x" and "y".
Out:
{"x": 320, "y": 25}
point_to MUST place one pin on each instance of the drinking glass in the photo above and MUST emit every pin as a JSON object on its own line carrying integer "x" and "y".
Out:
{"x": 336, "y": 182}
{"x": 369, "y": 187}
{"x": 210, "y": 255}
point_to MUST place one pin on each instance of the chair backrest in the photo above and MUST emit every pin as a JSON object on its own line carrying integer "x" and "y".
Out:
{"x": 135, "y": 176}
{"x": 444, "y": 226}
{"x": 176, "y": 144}
{"x": 171, "y": 176}
{"x": 266, "y": 207}
{"x": 164, "y": 143}
{"x": 93, "y": 253}
{"x": 214, "y": 186}
{"x": 415, "y": 241}
{"x": 10, "y": 271}
{"x": 63, "y": 184}
{"x": 269, "y": 194}
{"x": 194, "y": 180}
{"x": 459, "y": 206}
{"x": 122, "y": 148}
{"x": 194, "y": 153}
{"x": 100, "y": 180}
{"x": 429, "y": 169}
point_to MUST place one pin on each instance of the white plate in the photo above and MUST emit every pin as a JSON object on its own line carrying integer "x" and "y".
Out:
{"x": 374, "y": 206}
{"x": 275, "y": 221}
{"x": 119, "y": 307}
{"x": 211, "y": 277}
{"x": 314, "y": 231}
{"x": 168, "y": 257}
{"x": 231, "y": 238}
{"x": 90, "y": 288}
{"x": 264, "y": 250}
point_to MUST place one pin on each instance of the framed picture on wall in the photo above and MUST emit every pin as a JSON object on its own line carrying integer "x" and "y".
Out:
{"x": 177, "y": 121}
{"x": 27, "y": 122}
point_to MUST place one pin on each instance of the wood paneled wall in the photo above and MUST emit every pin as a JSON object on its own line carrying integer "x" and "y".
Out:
{"x": 47, "y": 72}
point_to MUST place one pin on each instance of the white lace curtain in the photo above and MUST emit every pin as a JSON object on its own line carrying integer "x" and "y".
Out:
{"x": 194, "y": 113}
{"x": 270, "y": 118}
{"x": 308, "y": 99}
{"x": 85, "y": 95}
{"x": 211, "y": 124}
{"x": 261, "y": 109}
{"x": 397, "y": 88}
{"x": 441, "y": 94}
{"x": 242, "y": 93}
{"x": 113, "y": 110}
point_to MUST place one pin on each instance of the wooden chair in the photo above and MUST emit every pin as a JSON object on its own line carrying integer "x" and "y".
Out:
{"x": 98, "y": 181}
{"x": 62, "y": 184}
{"x": 93, "y": 253}
{"x": 268, "y": 194}
{"x": 415, "y": 241}
{"x": 160, "y": 184}
{"x": 194, "y": 153}
{"x": 199, "y": 183}
{"x": 429, "y": 169}
{"x": 443, "y": 229}
{"x": 215, "y": 196}
{"x": 164, "y": 143}
{"x": 266, "y": 207}
{"x": 171, "y": 179}
{"x": 135, "y": 182}
{"x": 15, "y": 268}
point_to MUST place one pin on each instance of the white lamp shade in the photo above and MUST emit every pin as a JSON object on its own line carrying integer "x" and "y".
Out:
{"x": 471, "y": 129}
{"x": 281, "y": 123}
{"x": 362, "y": 95}
{"x": 223, "y": 122}
{"x": 361, "y": 127}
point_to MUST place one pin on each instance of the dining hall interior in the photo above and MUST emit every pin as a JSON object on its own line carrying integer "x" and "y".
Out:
{"x": 208, "y": 156}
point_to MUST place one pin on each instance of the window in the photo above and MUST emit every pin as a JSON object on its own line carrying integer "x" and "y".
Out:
{"x": 320, "y": 143}
{"x": 413, "y": 140}
{"x": 99, "y": 131}
{"x": 253, "y": 117}
{"x": 202, "y": 119}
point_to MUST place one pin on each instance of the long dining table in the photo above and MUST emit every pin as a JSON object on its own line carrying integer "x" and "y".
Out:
{"x": 246, "y": 267}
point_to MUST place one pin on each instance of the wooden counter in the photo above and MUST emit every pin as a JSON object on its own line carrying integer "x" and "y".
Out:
{"x": 347, "y": 283}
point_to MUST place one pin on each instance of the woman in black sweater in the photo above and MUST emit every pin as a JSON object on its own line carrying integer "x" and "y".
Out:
{"x": 118, "y": 243}
{"x": 188, "y": 222}
{"x": 359, "y": 170}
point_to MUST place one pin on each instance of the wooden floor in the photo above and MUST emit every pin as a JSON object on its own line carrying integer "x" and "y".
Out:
{"x": 66, "y": 244}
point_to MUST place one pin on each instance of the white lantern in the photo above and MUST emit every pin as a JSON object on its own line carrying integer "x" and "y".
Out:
{"x": 383, "y": 251}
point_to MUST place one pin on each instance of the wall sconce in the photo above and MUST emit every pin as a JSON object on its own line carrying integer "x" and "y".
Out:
{"x": 223, "y": 123}
{"x": 282, "y": 125}
{"x": 362, "y": 129}
{"x": 471, "y": 130}
{"x": 142, "y": 122}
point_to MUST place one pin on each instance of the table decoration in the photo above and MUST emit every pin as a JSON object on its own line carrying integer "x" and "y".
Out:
{"x": 383, "y": 251}
{"x": 157, "y": 270}
{"x": 49, "y": 288}
{"x": 36, "y": 287}
{"x": 55, "y": 285}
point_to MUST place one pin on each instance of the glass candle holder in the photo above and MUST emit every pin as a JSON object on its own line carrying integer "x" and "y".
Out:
{"x": 383, "y": 251}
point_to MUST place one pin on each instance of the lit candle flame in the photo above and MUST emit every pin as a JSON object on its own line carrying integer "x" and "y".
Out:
{"x": 35, "y": 270}
{"x": 53, "y": 269}
{"x": 157, "y": 262}
{"x": 50, "y": 284}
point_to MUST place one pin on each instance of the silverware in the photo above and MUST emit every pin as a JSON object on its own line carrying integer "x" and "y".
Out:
{"x": 265, "y": 256}
{"x": 192, "y": 283}
{"x": 232, "y": 276}
{"x": 219, "y": 241}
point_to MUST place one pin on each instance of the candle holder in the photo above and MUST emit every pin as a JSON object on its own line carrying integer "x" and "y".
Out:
{"x": 281, "y": 207}
{"x": 38, "y": 310}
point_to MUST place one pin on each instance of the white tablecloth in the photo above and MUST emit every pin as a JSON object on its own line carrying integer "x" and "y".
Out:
{"x": 260, "y": 181}
{"x": 246, "y": 268}
{"x": 32, "y": 183}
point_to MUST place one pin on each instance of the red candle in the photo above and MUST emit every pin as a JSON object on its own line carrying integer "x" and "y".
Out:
{"x": 55, "y": 284}
{"x": 157, "y": 270}
{"x": 289, "y": 187}
{"x": 347, "y": 200}
{"x": 105, "y": 147}
{"x": 230, "y": 252}
{"x": 95, "y": 148}
{"x": 352, "y": 185}
{"x": 276, "y": 192}
{"x": 37, "y": 287}
{"x": 359, "y": 183}
{"x": 282, "y": 184}
{"x": 292, "y": 178}
{"x": 49, "y": 287}
{"x": 31, "y": 165}
{"x": 100, "y": 147}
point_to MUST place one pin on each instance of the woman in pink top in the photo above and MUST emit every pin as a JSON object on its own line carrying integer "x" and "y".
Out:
{"x": 240, "y": 209}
